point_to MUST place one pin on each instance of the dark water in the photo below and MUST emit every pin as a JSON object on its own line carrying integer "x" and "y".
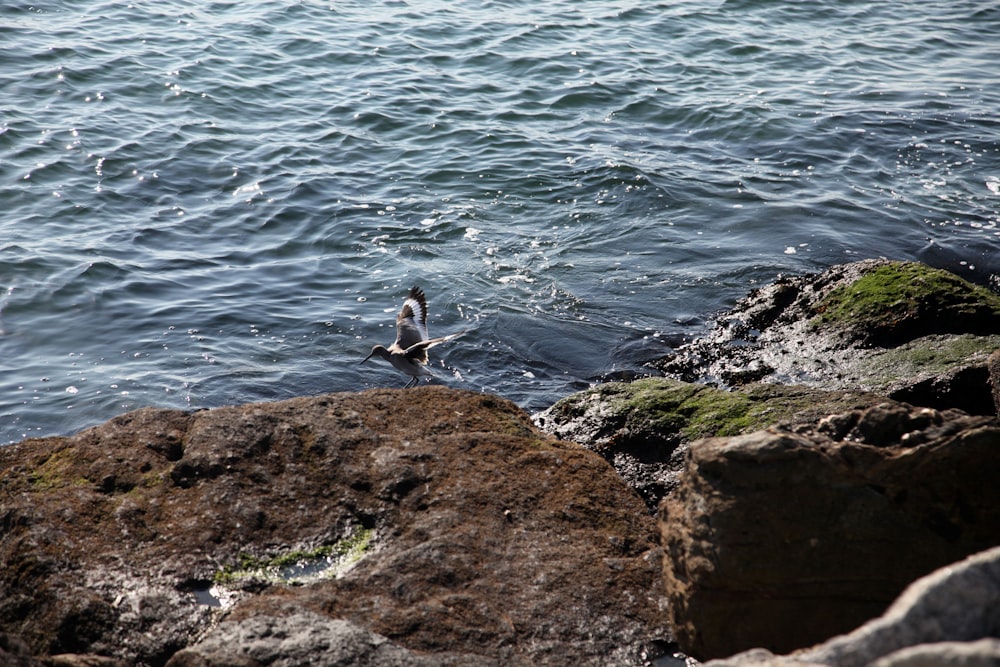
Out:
{"x": 213, "y": 203}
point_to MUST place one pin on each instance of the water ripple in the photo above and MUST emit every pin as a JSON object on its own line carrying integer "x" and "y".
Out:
{"x": 225, "y": 202}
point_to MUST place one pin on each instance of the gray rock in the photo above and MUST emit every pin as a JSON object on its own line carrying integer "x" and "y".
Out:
{"x": 954, "y": 603}
{"x": 981, "y": 653}
{"x": 949, "y": 617}
{"x": 304, "y": 639}
{"x": 81, "y": 660}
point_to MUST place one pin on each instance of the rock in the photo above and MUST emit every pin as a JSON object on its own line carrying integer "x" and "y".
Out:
{"x": 440, "y": 520}
{"x": 784, "y": 537}
{"x": 15, "y": 653}
{"x": 643, "y": 427}
{"x": 982, "y": 653}
{"x": 899, "y": 329}
{"x": 79, "y": 660}
{"x": 895, "y": 302}
{"x": 759, "y": 657}
{"x": 993, "y": 364}
{"x": 303, "y": 638}
{"x": 949, "y": 617}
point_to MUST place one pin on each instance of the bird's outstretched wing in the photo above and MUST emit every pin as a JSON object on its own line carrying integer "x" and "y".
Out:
{"x": 411, "y": 323}
{"x": 418, "y": 351}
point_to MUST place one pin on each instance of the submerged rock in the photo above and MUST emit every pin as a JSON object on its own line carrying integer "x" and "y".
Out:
{"x": 900, "y": 329}
{"x": 449, "y": 524}
{"x": 784, "y": 537}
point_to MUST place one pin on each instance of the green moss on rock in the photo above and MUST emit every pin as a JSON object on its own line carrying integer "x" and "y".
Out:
{"x": 657, "y": 412}
{"x": 886, "y": 371}
{"x": 57, "y": 471}
{"x": 900, "y": 301}
{"x": 942, "y": 354}
{"x": 655, "y": 408}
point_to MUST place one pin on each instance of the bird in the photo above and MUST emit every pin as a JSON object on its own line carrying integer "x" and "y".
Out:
{"x": 408, "y": 354}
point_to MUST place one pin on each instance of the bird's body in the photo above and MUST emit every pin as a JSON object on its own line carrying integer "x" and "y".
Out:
{"x": 408, "y": 354}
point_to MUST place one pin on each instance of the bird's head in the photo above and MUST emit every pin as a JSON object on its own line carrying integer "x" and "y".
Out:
{"x": 377, "y": 350}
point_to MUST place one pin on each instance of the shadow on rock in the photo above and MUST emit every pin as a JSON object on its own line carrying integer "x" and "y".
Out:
{"x": 784, "y": 537}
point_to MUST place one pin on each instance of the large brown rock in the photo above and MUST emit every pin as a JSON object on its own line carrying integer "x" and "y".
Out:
{"x": 473, "y": 534}
{"x": 782, "y": 538}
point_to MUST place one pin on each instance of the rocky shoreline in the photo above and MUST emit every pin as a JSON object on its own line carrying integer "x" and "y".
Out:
{"x": 788, "y": 476}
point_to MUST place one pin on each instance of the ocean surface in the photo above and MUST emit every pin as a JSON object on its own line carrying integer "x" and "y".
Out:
{"x": 209, "y": 203}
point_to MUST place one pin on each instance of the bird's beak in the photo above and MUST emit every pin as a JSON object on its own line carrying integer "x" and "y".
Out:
{"x": 366, "y": 358}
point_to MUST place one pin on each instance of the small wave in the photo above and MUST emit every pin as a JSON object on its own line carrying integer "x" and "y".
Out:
{"x": 606, "y": 171}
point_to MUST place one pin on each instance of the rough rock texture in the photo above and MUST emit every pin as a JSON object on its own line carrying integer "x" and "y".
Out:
{"x": 780, "y": 539}
{"x": 993, "y": 364}
{"x": 900, "y": 329}
{"x": 477, "y": 534}
{"x": 78, "y": 660}
{"x": 948, "y": 618}
{"x": 303, "y": 638}
{"x": 15, "y": 653}
{"x": 981, "y": 653}
{"x": 643, "y": 427}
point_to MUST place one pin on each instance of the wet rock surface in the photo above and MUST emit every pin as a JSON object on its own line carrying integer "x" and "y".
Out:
{"x": 643, "y": 428}
{"x": 473, "y": 535}
{"x": 900, "y": 329}
{"x": 784, "y": 537}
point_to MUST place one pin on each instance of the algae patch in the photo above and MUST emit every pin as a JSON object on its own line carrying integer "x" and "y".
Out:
{"x": 653, "y": 409}
{"x": 299, "y": 567}
{"x": 655, "y": 415}
{"x": 902, "y": 300}
{"x": 924, "y": 358}
{"x": 57, "y": 471}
